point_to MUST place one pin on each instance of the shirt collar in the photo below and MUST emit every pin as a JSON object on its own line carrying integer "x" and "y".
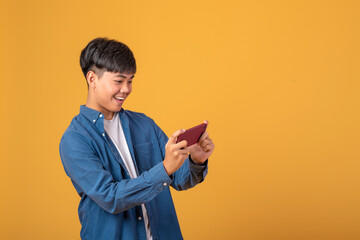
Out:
{"x": 92, "y": 114}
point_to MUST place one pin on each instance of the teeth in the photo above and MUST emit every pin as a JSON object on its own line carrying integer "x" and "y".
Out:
{"x": 119, "y": 98}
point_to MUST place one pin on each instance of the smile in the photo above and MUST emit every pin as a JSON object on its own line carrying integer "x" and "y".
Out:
{"x": 119, "y": 100}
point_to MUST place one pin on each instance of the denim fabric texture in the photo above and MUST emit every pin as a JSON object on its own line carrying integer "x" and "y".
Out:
{"x": 110, "y": 200}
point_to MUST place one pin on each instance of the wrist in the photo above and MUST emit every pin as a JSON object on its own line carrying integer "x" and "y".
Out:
{"x": 196, "y": 161}
{"x": 167, "y": 169}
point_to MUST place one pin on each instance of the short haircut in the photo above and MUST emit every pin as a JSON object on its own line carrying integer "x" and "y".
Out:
{"x": 103, "y": 54}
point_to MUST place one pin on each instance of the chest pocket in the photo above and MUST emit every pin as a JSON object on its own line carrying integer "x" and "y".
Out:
{"x": 144, "y": 156}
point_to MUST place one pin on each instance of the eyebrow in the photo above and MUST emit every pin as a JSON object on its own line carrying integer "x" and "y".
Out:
{"x": 123, "y": 76}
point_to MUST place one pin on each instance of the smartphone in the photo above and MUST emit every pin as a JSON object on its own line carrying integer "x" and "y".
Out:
{"x": 192, "y": 135}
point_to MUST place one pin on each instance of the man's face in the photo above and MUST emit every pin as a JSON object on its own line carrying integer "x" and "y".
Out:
{"x": 110, "y": 92}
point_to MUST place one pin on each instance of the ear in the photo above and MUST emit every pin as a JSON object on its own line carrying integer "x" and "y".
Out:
{"x": 91, "y": 78}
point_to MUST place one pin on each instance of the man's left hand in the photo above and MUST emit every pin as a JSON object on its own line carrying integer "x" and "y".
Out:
{"x": 202, "y": 150}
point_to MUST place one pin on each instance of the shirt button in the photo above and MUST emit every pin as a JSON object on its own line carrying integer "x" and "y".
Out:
{"x": 100, "y": 115}
{"x": 139, "y": 218}
{"x": 94, "y": 120}
{"x": 103, "y": 134}
{"x": 165, "y": 184}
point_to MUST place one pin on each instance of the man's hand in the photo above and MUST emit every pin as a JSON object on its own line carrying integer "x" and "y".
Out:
{"x": 175, "y": 153}
{"x": 202, "y": 150}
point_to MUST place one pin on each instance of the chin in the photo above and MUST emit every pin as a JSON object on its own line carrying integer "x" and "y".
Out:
{"x": 117, "y": 108}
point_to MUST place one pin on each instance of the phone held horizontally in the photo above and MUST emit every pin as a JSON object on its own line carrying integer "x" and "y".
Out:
{"x": 192, "y": 135}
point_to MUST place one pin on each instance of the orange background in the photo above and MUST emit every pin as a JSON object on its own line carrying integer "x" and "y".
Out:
{"x": 277, "y": 80}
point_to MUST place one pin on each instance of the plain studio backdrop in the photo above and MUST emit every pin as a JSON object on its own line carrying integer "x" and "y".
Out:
{"x": 278, "y": 82}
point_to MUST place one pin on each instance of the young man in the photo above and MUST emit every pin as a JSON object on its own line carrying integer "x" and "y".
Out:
{"x": 120, "y": 162}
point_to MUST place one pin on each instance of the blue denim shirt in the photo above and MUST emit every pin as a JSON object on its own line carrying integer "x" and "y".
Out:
{"x": 110, "y": 200}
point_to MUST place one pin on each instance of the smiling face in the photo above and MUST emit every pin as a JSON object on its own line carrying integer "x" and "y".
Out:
{"x": 108, "y": 92}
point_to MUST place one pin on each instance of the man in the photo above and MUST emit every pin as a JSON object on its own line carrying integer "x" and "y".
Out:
{"x": 119, "y": 161}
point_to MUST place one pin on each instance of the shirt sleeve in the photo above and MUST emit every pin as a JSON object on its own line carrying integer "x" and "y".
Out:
{"x": 189, "y": 174}
{"x": 85, "y": 169}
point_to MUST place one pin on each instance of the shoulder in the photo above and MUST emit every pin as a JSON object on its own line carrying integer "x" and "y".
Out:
{"x": 75, "y": 124}
{"x": 77, "y": 130}
{"x": 135, "y": 114}
{"x": 141, "y": 122}
{"x": 139, "y": 117}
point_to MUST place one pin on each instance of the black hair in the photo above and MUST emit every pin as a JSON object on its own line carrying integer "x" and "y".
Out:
{"x": 103, "y": 54}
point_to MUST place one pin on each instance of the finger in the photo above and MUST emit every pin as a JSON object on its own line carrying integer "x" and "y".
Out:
{"x": 182, "y": 144}
{"x": 203, "y": 137}
{"x": 181, "y": 153}
{"x": 184, "y": 151}
{"x": 205, "y": 142}
{"x": 209, "y": 147}
{"x": 174, "y": 136}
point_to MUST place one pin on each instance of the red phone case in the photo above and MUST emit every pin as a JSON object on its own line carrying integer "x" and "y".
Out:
{"x": 192, "y": 135}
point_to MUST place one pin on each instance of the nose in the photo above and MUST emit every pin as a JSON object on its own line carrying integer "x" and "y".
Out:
{"x": 125, "y": 88}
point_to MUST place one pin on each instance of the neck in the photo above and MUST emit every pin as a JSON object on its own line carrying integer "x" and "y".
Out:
{"x": 108, "y": 115}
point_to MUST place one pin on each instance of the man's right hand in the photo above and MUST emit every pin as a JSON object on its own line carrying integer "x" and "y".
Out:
{"x": 175, "y": 153}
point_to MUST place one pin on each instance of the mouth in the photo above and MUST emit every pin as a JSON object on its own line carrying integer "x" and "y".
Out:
{"x": 119, "y": 99}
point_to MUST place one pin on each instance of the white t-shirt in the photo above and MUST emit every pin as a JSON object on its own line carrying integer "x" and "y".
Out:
{"x": 114, "y": 130}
